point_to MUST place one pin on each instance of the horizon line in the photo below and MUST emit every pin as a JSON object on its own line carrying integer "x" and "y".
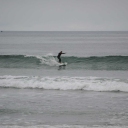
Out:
{"x": 63, "y": 31}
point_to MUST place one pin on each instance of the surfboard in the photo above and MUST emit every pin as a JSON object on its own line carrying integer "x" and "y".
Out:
{"x": 63, "y": 64}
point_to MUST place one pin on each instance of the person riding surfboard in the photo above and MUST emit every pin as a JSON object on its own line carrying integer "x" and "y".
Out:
{"x": 59, "y": 54}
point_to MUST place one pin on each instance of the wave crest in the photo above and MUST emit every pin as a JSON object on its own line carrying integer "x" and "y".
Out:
{"x": 87, "y": 63}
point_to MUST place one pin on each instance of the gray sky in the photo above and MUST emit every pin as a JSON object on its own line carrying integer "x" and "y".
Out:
{"x": 64, "y": 15}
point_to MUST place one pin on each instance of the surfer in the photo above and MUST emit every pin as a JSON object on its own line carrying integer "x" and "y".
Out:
{"x": 59, "y": 54}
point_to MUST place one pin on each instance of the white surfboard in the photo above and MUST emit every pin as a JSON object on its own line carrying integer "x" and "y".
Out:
{"x": 63, "y": 64}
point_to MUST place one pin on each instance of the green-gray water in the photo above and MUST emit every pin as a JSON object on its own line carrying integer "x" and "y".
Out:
{"x": 91, "y": 91}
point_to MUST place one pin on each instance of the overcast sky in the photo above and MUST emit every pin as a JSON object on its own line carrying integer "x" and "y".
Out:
{"x": 64, "y": 15}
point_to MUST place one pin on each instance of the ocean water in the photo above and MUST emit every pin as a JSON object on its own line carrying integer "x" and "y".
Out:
{"x": 91, "y": 91}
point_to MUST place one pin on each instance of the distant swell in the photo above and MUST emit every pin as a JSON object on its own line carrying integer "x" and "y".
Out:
{"x": 87, "y": 63}
{"x": 65, "y": 83}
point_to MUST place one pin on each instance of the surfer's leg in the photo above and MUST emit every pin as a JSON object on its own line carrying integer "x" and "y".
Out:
{"x": 59, "y": 60}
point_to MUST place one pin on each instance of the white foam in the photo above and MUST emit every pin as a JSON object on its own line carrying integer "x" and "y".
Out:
{"x": 65, "y": 83}
{"x": 48, "y": 59}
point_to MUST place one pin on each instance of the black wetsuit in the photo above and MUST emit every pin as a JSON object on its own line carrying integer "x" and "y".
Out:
{"x": 59, "y": 54}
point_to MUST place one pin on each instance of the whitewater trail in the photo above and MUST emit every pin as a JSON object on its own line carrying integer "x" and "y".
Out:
{"x": 48, "y": 59}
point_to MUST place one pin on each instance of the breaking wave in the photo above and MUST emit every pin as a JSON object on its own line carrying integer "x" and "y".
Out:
{"x": 65, "y": 83}
{"x": 87, "y": 63}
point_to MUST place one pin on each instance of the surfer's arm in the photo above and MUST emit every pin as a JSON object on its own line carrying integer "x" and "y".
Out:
{"x": 63, "y": 53}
